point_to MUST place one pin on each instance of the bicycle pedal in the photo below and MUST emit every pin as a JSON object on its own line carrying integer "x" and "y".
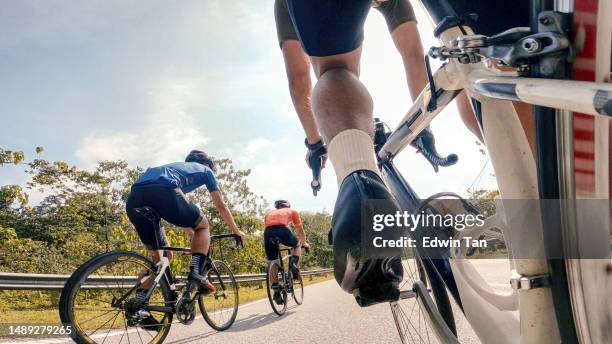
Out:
{"x": 367, "y": 296}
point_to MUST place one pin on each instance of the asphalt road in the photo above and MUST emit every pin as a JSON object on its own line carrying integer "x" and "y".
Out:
{"x": 327, "y": 315}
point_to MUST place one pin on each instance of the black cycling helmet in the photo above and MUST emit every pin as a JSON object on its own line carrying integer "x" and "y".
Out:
{"x": 282, "y": 203}
{"x": 200, "y": 157}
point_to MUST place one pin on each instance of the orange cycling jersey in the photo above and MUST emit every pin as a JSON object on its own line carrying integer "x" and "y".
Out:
{"x": 282, "y": 217}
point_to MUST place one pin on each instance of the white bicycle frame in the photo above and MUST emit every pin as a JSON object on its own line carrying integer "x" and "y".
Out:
{"x": 493, "y": 315}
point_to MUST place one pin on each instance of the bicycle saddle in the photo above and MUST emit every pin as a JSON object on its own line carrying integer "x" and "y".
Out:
{"x": 148, "y": 213}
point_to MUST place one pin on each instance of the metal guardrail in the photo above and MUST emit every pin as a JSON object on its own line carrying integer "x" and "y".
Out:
{"x": 20, "y": 281}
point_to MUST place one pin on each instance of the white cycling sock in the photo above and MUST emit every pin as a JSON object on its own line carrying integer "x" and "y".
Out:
{"x": 350, "y": 151}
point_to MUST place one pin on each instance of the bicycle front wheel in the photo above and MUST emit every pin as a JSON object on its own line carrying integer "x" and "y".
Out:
{"x": 99, "y": 301}
{"x": 275, "y": 275}
{"x": 220, "y": 308}
{"x": 298, "y": 289}
{"x": 412, "y": 320}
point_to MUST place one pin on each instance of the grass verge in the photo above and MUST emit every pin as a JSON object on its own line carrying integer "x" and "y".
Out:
{"x": 39, "y": 307}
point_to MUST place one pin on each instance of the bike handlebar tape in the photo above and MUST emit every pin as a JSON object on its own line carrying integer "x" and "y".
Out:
{"x": 352, "y": 150}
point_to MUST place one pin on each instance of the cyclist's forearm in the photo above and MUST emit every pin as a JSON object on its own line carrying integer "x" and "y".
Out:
{"x": 301, "y": 234}
{"x": 297, "y": 66}
{"x": 227, "y": 217}
{"x": 300, "y": 95}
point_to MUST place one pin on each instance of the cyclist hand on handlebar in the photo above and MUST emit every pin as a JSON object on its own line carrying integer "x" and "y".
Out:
{"x": 242, "y": 236}
{"x": 315, "y": 158}
{"x": 316, "y": 154}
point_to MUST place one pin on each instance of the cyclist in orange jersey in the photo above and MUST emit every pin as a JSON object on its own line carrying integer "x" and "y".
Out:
{"x": 277, "y": 226}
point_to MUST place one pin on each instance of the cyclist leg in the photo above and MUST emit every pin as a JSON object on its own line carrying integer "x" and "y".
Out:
{"x": 271, "y": 249}
{"x": 287, "y": 238}
{"x": 331, "y": 32}
{"x": 272, "y": 254}
{"x": 402, "y": 25}
{"x": 141, "y": 197}
{"x": 175, "y": 209}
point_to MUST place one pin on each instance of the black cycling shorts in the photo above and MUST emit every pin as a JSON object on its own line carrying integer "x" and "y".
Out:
{"x": 396, "y": 12}
{"x": 285, "y": 236}
{"x": 329, "y": 27}
{"x": 170, "y": 204}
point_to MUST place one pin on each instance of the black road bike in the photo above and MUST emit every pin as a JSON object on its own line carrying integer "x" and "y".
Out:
{"x": 279, "y": 272}
{"x": 99, "y": 299}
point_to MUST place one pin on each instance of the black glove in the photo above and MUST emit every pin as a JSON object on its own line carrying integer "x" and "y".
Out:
{"x": 315, "y": 153}
{"x": 315, "y": 160}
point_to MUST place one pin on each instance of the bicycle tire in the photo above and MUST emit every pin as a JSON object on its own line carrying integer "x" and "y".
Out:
{"x": 297, "y": 291}
{"x": 587, "y": 282}
{"x": 578, "y": 283}
{"x": 409, "y": 332}
{"x": 76, "y": 280}
{"x": 278, "y": 309}
{"x": 228, "y": 287}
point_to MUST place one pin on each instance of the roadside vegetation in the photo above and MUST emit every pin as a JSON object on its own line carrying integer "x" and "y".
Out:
{"x": 83, "y": 214}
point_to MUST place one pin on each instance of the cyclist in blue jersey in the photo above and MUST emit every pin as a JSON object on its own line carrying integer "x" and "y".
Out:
{"x": 163, "y": 188}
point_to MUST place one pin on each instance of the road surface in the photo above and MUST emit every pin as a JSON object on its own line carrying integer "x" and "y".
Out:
{"x": 327, "y": 315}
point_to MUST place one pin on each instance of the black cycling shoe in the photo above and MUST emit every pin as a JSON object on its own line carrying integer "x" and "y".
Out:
{"x": 295, "y": 271}
{"x": 202, "y": 282}
{"x": 371, "y": 278}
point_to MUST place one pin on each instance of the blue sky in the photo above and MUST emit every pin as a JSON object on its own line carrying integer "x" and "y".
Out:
{"x": 147, "y": 81}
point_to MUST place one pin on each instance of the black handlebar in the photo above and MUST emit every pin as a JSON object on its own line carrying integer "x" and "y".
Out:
{"x": 237, "y": 239}
{"x": 315, "y": 161}
{"x": 315, "y": 166}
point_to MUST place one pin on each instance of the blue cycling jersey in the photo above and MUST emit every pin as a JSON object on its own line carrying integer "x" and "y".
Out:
{"x": 187, "y": 176}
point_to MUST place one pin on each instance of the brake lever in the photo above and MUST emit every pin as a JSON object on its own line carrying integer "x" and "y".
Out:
{"x": 425, "y": 143}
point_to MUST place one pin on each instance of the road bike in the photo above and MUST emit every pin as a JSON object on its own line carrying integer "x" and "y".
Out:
{"x": 99, "y": 299}
{"x": 561, "y": 263}
{"x": 286, "y": 282}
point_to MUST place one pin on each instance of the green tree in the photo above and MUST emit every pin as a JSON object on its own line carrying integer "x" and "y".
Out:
{"x": 11, "y": 157}
{"x": 83, "y": 214}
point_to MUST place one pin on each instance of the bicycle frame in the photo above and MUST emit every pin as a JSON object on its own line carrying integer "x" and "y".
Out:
{"x": 490, "y": 313}
{"x": 164, "y": 271}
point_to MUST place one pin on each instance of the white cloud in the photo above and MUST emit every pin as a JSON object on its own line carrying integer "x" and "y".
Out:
{"x": 253, "y": 147}
{"x": 278, "y": 170}
{"x": 165, "y": 135}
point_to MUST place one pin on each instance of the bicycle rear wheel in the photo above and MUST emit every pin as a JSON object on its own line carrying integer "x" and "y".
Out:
{"x": 220, "y": 308}
{"x": 99, "y": 301}
{"x": 275, "y": 274}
